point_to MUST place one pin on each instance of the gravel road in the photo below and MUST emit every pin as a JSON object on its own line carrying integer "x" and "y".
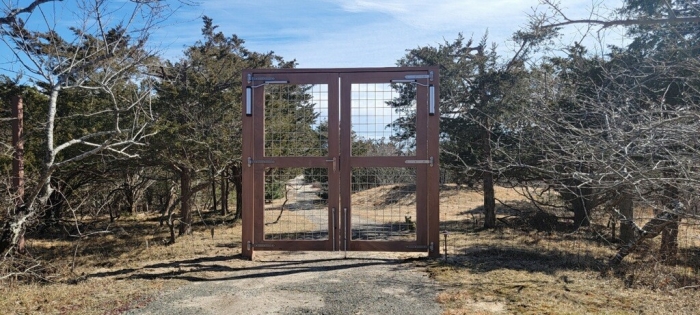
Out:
{"x": 307, "y": 283}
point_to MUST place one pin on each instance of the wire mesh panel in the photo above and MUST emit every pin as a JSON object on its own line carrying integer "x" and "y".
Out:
{"x": 383, "y": 203}
{"x": 296, "y": 120}
{"x": 296, "y": 204}
{"x": 383, "y": 119}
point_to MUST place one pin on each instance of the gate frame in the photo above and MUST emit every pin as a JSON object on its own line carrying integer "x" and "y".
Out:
{"x": 250, "y": 138}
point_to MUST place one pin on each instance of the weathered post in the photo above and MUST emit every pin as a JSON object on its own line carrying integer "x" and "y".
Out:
{"x": 18, "y": 160}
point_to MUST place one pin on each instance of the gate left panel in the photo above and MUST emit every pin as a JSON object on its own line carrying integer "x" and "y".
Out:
{"x": 291, "y": 166}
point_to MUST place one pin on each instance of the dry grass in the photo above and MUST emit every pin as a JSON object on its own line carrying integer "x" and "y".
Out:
{"x": 517, "y": 269}
{"x": 513, "y": 269}
{"x": 387, "y": 205}
{"x": 108, "y": 273}
{"x": 92, "y": 296}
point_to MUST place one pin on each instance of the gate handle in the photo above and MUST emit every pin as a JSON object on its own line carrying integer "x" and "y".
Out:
{"x": 345, "y": 232}
{"x": 332, "y": 230}
{"x": 332, "y": 160}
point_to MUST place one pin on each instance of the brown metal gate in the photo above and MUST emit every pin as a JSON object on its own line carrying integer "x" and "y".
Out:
{"x": 340, "y": 160}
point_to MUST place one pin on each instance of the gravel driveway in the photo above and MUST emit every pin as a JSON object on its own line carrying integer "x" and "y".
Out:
{"x": 307, "y": 283}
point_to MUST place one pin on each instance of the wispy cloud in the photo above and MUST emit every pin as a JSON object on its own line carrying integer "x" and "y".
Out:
{"x": 449, "y": 14}
{"x": 348, "y": 33}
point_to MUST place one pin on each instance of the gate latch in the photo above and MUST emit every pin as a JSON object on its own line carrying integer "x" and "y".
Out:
{"x": 251, "y": 161}
{"x": 429, "y": 161}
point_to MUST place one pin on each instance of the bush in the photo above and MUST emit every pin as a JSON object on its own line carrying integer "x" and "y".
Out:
{"x": 274, "y": 190}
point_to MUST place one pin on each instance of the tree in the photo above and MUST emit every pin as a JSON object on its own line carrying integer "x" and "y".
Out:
{"x": 11, "y": 13}
{"x": 477, "y": 89}
{"x": 625, "y": 125}
{"x": 199, "y": 127}
{"x": 102, "y": 59}
{"x": 561, "y": 89}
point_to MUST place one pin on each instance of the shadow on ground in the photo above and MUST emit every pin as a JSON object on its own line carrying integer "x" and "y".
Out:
{"x": 201, "y": 269}
{"x": 480, "y": 260}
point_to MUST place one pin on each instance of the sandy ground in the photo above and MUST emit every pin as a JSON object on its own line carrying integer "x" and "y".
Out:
{"x": 306, "y": 283}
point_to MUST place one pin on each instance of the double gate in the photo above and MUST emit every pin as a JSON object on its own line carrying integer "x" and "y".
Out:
{"x": 340, "y": 160}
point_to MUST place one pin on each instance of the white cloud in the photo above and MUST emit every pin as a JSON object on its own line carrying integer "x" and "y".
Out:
{"x": 448, "y": 14}
{"x": 391, "y": 7}
{"x": 360, "y": 33}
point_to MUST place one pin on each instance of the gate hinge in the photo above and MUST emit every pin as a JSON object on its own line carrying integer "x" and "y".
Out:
{"x": 419, "y": 76}
{"x": 251, "y": 78}
{"x": 428, "y": 161}
{"x": 251, "y": 161}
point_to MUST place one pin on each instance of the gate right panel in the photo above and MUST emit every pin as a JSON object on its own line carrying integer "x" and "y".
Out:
{"x": 384, "y": 125}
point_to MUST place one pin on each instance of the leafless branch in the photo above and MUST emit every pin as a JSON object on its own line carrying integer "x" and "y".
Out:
{"x": 11, "y": 16}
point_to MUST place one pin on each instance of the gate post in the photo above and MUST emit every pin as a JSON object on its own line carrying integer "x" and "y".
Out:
{"x": 434, "y": 171}
{"x": 247, "y": 171}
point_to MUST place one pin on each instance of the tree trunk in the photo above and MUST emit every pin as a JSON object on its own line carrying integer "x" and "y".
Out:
{"x": 650, "y": 230}
{"x": 213, "y": 189}
{"x": 237, "y": 179}
{"x": 171, "y": 224}
{"x": 487, "y": 158}
{"x": 185, "y": 202}
{"x": 224, "y": 192}
{"x": 489, "y": 193}
{"x": 582, "y": 204}
{"x": 129, "y": 197}
{"x": 168, "y": 201}
{"x": 626, "y": 207}
{"x": 579, "y": 196}
{"x": 669, "y": 236}
{"x": 669, "y": 241}
{"x": 54, "y": 206}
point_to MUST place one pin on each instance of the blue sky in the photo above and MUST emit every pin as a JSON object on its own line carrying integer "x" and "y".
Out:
{"x": 337, "y": 33}
{"x": 357, "y": 33}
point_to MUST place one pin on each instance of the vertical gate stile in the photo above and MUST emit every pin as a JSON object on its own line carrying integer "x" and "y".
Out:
{"x": 421, "y": 154}
{"x": 345, "y": 155}
{"x": 434, "y": 171}
{"x": 258, "y": 154}
{"x": 334, "y": 155}
{"x": 248, "y": 178}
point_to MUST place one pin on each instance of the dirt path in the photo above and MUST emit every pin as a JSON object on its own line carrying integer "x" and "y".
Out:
{"x": 304, "y": 201}
{"x": 307, "y": 283}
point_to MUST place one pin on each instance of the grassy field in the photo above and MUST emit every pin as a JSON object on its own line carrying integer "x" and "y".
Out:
{"x": 517, "y": 268}
{"x": 108, "y": 273}
{"x": 533, "y": 265}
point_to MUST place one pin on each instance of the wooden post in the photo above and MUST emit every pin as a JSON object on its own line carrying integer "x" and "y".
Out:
{"x": 18, "y": 155}
{"x": 18, "y": 160}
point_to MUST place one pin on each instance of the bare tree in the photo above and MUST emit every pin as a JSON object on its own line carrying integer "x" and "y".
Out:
{"x": 621, "y": 127}
{"x": 675, "y": 13}
{"x": 104, "y": 56}
{"x": 12, "y": 12}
